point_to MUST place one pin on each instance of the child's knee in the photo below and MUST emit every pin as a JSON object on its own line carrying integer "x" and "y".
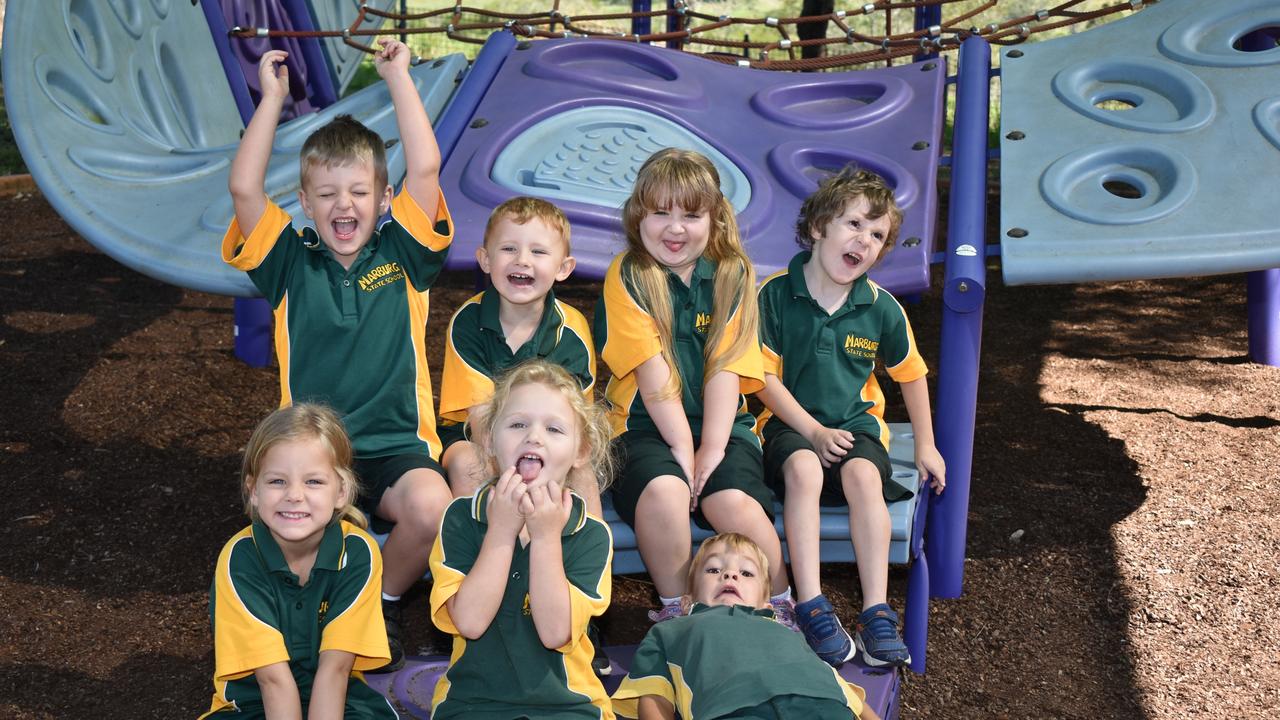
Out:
{"x": 802, "y": 472}
{"x": 665, "y": 494}
{"x": 860, "y": 480}
{"x": 422, "y": 499}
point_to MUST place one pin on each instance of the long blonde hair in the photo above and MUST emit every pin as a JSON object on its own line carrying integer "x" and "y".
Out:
{"x": 593, "y": 427}
{"x": 304, "y": 421}
{"x": 686, "y": 178}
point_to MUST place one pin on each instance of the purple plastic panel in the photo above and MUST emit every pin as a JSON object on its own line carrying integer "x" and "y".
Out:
{"x": 784, "y": 131}
{"x": 310, "y": 79}
{"x": 413, "y": 684}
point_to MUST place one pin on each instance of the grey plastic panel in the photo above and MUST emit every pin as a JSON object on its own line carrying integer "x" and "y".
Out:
{"x": 343, "y": 59}
{"x": 1148, "y": 147}
{"x": 128, "y": 126}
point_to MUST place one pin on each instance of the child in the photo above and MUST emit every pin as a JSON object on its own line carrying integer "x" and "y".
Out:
{"x": 351, "y": 299}
{"x": 677, "y": 326}
{"x": 728, "y": 658}
{"x": 525, "y": 250}
{"x": 823, "y": 323}
{"x": 520, "y": 567}
{"x": 294, "y": 602}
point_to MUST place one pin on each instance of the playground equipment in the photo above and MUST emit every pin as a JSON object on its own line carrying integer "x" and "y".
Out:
{"x": 129, "y": 136}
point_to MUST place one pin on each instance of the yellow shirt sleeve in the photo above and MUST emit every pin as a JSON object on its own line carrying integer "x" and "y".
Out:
{"x": 463, "y": 385}
{"x": 242, "y": 641}
{"x": 358, "y": 627}
{"x": 247, "y": 253}
{"x": 631, "y": 335}
{"x": 749, "y": 366}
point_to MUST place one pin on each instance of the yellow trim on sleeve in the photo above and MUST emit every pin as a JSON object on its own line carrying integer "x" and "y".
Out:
{"x": 248, "y": 253}
{"x": 576, "y": 323}
{"x": 242, "y": 642}
{"x": 462, "y": 385}
{"x": 631, "y": 336}
{"x": 749, "y": 366}
{"x": 626, "y": 699}
{"x": 445, "y": 584}
{"x": 358, "y": 629}
{"x": 414, "y": 219}
{"x": 419, "y": 309}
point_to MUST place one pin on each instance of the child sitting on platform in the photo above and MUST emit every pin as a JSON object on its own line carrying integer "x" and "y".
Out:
{"x": 823, "y": 324}
{"x": 728, "y": 658}
{"x": 520, "y": 567}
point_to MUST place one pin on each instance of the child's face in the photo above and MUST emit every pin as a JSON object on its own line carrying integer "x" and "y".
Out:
{"x": 344, "y": 202}
{"x": 523, "y": 261}
{"x": 537, "y": 433}
{"x": 676, "y": 237}
{"x": 850, "y": 245}
{"x": 728, "y": 577}
{"x": 296, "y": 490}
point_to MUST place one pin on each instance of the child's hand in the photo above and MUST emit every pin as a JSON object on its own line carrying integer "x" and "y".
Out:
{"x": 503, "y": 510}
{"x": 831, "y": 444}
{"x": 932, "y": 467}
{"x": 705, "y": 462}
{"x": 393, "y": 57}
{"x": 685, "y": 459}
{"x": 546, "y": 510}
{"x": 273, "y": 74}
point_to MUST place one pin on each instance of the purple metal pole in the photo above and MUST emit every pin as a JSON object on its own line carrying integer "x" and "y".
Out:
{"x": 252, "y": 318}
{"x": 963, "y": 294}
{"x": 674, "y": 22}
{"x": 1264, "y": 316}
{"x": 928, "y": 16}
{"x": 455, "y": 118}
{"x": 640, "y": 25}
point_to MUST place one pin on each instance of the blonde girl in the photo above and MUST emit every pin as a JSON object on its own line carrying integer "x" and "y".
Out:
{"x": 520, "y": 567}
{"x": 296, "y": 595}
{"x": 677, "y": 326}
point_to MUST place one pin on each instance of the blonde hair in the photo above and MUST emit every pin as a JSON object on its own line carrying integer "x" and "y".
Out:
{"x": 738, "y": 543}
{"x": 836, "y": 192}
{"x": 344, "y": 141}
{"x": 304, "y": 421}
{"x": 593, "y": 427}
{"x": 688, "y": 179}
{"x": 522, "y": 209}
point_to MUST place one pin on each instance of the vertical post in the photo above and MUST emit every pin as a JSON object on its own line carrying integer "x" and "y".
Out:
{"x": 964, "y": 293}
{"x": 402, "y": 23}
{"x": 927, "y": 16}
{"x": 675, "y": 23}
{"x": 640, "y": 25}
{"x": 457, "y": 115}
{"x": 1263, "y": 291}
{"x": 252, "y": 317}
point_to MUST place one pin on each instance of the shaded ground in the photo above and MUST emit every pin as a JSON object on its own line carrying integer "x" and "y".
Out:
{"x": 1122, "y": 430}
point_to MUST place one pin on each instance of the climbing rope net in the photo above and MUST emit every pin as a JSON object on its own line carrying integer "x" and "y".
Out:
{"x": 689, "y": 30}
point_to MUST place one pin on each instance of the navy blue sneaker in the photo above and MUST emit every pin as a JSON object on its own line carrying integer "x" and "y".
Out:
{"x": 877, "y": 637}
{"x": 823, "y": 631}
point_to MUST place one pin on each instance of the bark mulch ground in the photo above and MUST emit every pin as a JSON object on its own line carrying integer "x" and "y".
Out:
{"x": 1123, "y": 537}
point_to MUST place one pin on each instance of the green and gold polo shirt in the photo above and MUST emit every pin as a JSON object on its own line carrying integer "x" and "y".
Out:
{"x": 261, "y": 616}
{"x": 506, "y": 672}
{"x": 827, "y": 361}
{"x": 626, "y": 336}
{"x": 476, "y": 350}
{"x": 719, "y": 659}
{"x": 353, "y": 339}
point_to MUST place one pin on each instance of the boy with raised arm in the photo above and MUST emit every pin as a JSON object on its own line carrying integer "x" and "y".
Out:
{"x": 350, "y": 299}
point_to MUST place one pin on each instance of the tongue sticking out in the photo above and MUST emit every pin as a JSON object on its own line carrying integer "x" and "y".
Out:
{"x": 528, "y": 468}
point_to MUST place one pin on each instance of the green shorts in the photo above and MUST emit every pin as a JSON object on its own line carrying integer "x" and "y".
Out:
{"x": 782, "y": 441}
{"x": 785, "y": 707}
{"x": 450, "y": 433}
{"x": 644, "y": 456}
{"x": 376, "y": 474}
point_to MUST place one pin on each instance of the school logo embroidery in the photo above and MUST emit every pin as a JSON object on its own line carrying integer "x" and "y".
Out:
{"x": 702, "y": 323}
{"x": 324, "y": 610}
{"x": 861, "y": 347}
{"x": 526, "y": 604}
{"x": 384, "y": 274}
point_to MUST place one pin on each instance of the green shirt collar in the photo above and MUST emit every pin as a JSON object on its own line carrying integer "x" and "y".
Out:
{"x": 860, "y": 294}
{"x": 328, "y": 557}
{"x": 577, "y": 513}
{"x": 731, "y": 610}
{"x": 491, "y": 305}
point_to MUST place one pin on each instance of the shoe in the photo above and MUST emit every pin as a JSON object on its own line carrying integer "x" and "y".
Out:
{"x": 674, "y": 610}
{"x": 784, "y": 611}
{"x": 600, "y": 662}
{"x": 877, "y": 637}
{"x": 823, "y": 631}
{"x": 391, "y": 616}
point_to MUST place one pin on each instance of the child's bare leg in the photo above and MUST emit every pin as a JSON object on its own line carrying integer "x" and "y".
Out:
{"x": 803, "y": 475}
{"x": 869, "y": 528}
{"x": 464, "y": 467}
{"x": 662, "y": 532}
{"x": 415, "y": 504}
{"x": 736, "y": 511}
{"x": 583, "y": 481}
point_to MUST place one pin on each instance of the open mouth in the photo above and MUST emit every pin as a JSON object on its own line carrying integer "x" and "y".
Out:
{"x": 294, "y": 515}
{"x": 529, "y": 465}
{"x": 520, "y": 280}
{"x": 673, "y": 246}
{"x": 344, "y": 228}
{"x": 852, "y": 259}
{"x": 728, "y": 590}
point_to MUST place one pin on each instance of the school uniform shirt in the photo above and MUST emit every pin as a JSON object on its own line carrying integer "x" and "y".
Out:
{"x": 261, "y": 616}
{"x": 827, "y": 361}
{"x": 506, "y": 672}
{"x": 626, "y": 336}
{"x": 353, "y": 339}
{"x": 723, "y": 658}
{"x": 476, "y": 350}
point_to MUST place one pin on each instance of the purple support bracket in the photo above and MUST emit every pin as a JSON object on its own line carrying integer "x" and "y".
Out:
{"x": 252, "y": 318}
{"x": 1264, "y": 316}
{"x": 963, "y": 294}
{"x": 927, "y": 16}
{"x": 641, "y": 25}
